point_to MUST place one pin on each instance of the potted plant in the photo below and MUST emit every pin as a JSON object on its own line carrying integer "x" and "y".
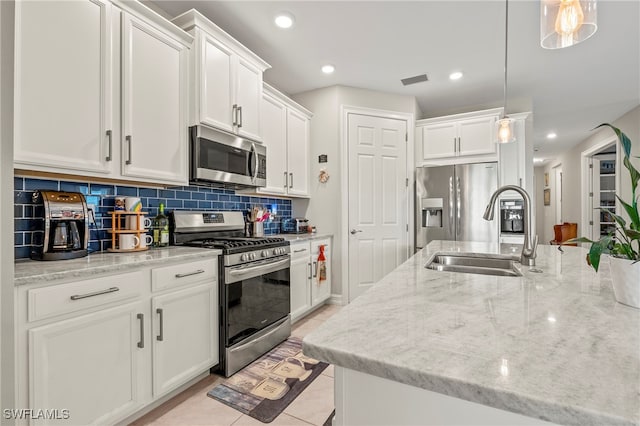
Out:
{"x": 623, "y": 245}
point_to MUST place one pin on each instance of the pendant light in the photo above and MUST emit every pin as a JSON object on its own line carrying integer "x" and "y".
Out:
{"x": 564, "y": 23}
{"x": 505, "y": 132}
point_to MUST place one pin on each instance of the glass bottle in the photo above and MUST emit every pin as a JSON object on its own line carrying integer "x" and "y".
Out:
{"x": 160, "y": 229}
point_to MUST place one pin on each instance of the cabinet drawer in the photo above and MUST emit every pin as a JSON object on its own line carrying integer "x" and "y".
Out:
{"x": 300, "y": 250}
{"x": 184, "y": 274}
{"x": 47, "y": 302}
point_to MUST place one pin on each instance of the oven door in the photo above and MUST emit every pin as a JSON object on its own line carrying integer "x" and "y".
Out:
{"x": 223, "y": 158}
{"x": 256, "y": 295}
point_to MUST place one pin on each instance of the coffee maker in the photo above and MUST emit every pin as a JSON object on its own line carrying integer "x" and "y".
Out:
{"x": 63, "y": 231}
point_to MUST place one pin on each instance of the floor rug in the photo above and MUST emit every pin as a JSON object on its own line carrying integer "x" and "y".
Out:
{"x": 264, "y": 388}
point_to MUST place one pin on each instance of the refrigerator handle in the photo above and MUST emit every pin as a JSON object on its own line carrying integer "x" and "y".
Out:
{"x": 450, "y": 202}
{"x": 458, "y": 205}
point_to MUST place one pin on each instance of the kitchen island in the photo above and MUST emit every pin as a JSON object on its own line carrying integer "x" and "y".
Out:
{"x": 429, "y": 347}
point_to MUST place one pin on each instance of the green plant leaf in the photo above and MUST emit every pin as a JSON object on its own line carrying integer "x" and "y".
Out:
{"x": 580, "y": 240}
{"x": 632, "y": 211}
{"x": 633, "y": 174}
{"x": 624, "y": 140}
{"x": 595, "y": 252}
{"x": 619, "y": 219}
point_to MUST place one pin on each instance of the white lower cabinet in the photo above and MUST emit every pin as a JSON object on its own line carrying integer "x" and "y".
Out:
{"x": 185, "y": 335}
{"x": 307, "y": 291}
{"x": 111, "y": 346}
{"x": 90, "y": 365}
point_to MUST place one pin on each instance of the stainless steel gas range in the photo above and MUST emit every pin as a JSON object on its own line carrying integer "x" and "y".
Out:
{"x": 254, "y": 283}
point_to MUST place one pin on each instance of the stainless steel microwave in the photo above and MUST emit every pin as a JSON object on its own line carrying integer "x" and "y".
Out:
{"x": 226, "y": 160}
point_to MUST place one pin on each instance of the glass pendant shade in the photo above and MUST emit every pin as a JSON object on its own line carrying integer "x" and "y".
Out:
{"x": 564, "y": 23}
{"x": 505, "y": 130}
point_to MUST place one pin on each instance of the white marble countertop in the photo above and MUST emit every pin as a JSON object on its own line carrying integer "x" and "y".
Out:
{"x": 303, "y": 237}
{"x": 553, "y": 345}
{"x": 34, "y": 271}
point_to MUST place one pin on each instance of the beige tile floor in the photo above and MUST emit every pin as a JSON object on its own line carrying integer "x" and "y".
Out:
{"x": 194, "y": 407}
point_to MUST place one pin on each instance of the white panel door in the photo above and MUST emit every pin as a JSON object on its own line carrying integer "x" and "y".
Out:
{"x": 216, "y": 83}
{"x": 248, "y": 98}
{"x": 476, "y": 136}
{"x": 185, "y": 336}
{"x": 298, "y": 153}
{"x": 439, "y": 140}
{"x": 91, "y": 365}
{"x": 154, "y": 104}
{"x": 300, "y": 280}
{"x": 63, "y": 85}
{"x": 274, "y": 136}
{"x": 378, "y": 203}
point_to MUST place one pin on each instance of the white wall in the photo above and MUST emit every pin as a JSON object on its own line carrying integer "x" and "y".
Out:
{"x": 324, "y": 209}
{"x": 573, "y": 193}
{"x": 6, "y": 204}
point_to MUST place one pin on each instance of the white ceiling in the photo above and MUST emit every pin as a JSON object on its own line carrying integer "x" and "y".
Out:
{"x": 374, "y": 44}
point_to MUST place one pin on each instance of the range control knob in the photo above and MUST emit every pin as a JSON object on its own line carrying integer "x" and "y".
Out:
{"x": 252, "y": 256}
{"x": 264, "y": 253}
{"x": 244, "y": 257}
{"x": 275, "y": 251}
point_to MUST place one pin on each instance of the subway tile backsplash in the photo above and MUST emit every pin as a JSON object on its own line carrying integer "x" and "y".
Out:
{"x": 102, "y": 195}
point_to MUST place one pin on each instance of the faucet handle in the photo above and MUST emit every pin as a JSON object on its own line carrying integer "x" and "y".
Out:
{"x": 534, "y": 246}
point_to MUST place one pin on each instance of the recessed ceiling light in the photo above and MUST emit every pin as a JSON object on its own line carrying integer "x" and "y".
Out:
{"x": 328, "y": 69}
{"x": 538, "y": 160}
{"x": 455, "y": 75}
{"x": 284, "y": 20}
{"x": 551, "y": 135}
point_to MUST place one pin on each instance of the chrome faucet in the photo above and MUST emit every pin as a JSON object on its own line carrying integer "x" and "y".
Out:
{"x": 528, "y": 256}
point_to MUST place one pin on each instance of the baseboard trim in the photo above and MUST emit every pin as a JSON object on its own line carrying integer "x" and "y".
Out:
{"x": 335, "y": 299}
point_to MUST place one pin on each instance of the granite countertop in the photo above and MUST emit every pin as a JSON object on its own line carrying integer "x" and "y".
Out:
{"x": 303, "y": 237}
{"x": 34, "y": 271}
{"x": 553, "y": 345}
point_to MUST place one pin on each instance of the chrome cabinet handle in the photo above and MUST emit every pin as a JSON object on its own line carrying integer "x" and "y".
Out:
{"x": 95, "y": 293}
{"x": 160, "y": 337}
{"x": 188, "y": 274}
{"x": 141, "y": 342}
{"x": 300, "y": 251}
{"x": 458, "y": 145}
{"x": 234, "y": 115}
{"x": 290, "y": 180}
{"x": 109, "y": 157}
{"x": 355, "y": 231}
{"x": 309, "y": 265}
{"x": 455, "y": 145}
{"x": 315, "y": 269}
{"x": 285, "y": 179}
{"x": 240, "y": 113}
{"x": 128, "y": 140}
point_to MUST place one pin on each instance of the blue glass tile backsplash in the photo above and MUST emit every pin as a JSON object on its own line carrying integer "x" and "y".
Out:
{"x": 102, "y": 196}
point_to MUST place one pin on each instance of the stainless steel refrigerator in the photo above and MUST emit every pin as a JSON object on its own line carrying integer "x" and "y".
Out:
{"x": 450, "y": 202}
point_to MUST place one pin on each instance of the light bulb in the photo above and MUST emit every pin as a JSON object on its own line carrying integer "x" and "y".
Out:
{"x": 569, "y": 20}
{"x": 504, "y": 131}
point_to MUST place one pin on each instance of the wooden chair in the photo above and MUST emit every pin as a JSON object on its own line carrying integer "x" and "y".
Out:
{"x": 564, "y": 232}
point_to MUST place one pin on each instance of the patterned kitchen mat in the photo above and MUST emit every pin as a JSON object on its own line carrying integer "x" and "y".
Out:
{"x": 264, "y": 388}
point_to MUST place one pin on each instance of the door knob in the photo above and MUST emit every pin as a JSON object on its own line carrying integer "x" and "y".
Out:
{"x": 355, "y": 231}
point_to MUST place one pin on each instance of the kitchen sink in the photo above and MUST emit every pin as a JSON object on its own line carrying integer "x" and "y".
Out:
{"x": 474, "y": 263}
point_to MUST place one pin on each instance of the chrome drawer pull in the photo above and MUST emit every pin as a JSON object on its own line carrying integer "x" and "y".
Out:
{"x": 188, "y": 274}
{"x": 95, "y": 293}
{"x": 141, "y": 342}
{"x": 300, "y": 251}
{"x": 160, "y": 337}
{"x": 109, "y": 157}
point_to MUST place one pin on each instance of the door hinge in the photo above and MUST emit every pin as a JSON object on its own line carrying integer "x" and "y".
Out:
{"x": 407, "y": 227}
{"x": 406, "y": 182}
{"x": 590, "y": 222}
{"x": 591, "y": 166}
{"x": 591, "y": 194}
{"x": 406, "y": 137}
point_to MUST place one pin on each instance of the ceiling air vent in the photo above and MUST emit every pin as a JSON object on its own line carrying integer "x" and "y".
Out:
{"x": 414, "y": 80}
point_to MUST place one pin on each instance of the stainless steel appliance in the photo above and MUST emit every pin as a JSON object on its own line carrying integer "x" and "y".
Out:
{"x": 294, "y": 225}
{"x": 222, "y": 159}
{"x": 254, "y": 282}
{"x": 511, "y": 217}
{"x": 63, "y": 229}
{"x": 450, "y": 202}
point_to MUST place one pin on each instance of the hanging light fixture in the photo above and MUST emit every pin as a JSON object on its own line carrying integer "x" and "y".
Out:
{"x": 564, "y": 23}
{"x": 505, "y": 132}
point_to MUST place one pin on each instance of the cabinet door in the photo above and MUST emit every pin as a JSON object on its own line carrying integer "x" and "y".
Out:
{"x": 300, "y": 280}
{"x": 216, "y": 81}
{"x": 298, "y": 153}
{"x": 439, "y": 140}
{"x": 274, "y": 136}
{"x": 248, "y": 98}
{"x": 320, "y": 290}
{"x": 185, "y": 336}
{"x": 92, "y": 365}
{"x": 476, "y": 136}
{"x": 63, "y": 85}
{"x": 154, "y": 104}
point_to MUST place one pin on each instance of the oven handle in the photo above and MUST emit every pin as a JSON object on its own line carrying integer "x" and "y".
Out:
{"x": 235, "y": 275}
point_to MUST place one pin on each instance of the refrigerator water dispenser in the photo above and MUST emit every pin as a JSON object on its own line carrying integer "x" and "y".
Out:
{"x": 431, "y": 212}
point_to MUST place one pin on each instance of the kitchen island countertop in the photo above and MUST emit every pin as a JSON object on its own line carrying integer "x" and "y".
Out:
{"x": 552, "y": 345}
{"x": 34, "y": 272}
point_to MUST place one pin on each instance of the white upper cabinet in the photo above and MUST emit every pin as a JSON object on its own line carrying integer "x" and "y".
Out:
{"x": 101, "y": 85}
{"x": 227, "y": 87}
{"x": 458, "y": 138}
{"x": 63, "y": 85}
{"x": 286, "y": 128}
{"x": 154, "y": 103}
